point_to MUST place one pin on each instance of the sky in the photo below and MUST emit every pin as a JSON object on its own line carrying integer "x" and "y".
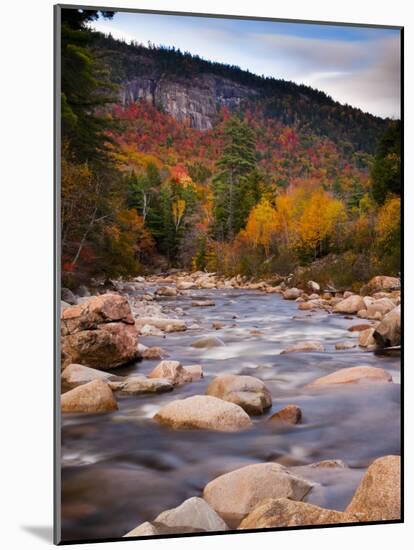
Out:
{"x": 355, "y": 65}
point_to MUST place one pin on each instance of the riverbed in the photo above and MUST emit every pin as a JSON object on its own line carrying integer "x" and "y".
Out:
{"x": 122, "y": 468}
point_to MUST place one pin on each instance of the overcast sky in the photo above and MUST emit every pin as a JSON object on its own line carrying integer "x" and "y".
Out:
{"x": 355, "y": 65}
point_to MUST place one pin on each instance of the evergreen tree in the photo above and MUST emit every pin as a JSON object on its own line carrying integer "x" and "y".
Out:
{"x": 85, "y": 89}
{"x": 386, "y": 170}
{"x": 235, "y": 180}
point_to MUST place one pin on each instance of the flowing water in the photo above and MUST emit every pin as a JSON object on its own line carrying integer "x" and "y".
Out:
{"x": 122, "y": 468}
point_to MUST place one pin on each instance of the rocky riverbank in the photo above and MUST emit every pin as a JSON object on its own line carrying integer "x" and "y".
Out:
{"x": 172, "y": 346}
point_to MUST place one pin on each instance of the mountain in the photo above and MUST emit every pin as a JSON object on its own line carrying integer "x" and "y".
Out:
{"x": 194, "y": 90}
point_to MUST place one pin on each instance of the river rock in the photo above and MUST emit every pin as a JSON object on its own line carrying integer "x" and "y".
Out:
{"x": 148, "y": 529}
{"x": 217, "y": 325}
{"x": 366, "y": 338}
{"x": 167, "y": 291}
{"x": 378, "y": 496}
{"x": 194, "y": 372}
{"x": 107, "y": 308}
{"x": 161, "y": 323}
{"x": 150, "y": 330}
{"x": 248, "y": 392}
{"x": 329, "y": 463}
{"x": 381, "y": 307}
{"x": 291, "y": 414}
{"x": 344, "y": 345}
{"x": 380, "y": 283}
{"x": 237, "y": 493}
{"x": 203, "y": 412}
{"x": 68, "y": 296}
{"x": 202, "y": 303}
{"x": 354, "y": 375}
{"x": 99, "y": 333}
{"x": 307, "y": 346}
{"x": 63, "y": 306}
{"x": 207, "y": 342}
{"x": 136, "y": 385}
{"x": 185, "y": 285}
{"x": 283, "y": 512}
{"x": 292, "y": 293}
{"x": 360, "y": 327}
{"x": 352, "y": 304}
{"x": 110, "y": 345}
{"x": 93, "y": 397}
{"x": 75, "y": 375}
{"x": 194, "y": 512}
{"x": 388, "y": 332}
{"x": 172, "y": 371}
{"x": 154, "y": 353}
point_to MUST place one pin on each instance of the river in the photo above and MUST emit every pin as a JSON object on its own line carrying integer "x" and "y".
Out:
{"x": 122, "y": 468}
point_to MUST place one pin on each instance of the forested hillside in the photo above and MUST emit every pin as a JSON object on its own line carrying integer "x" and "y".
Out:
{"x": 169, "y": 160}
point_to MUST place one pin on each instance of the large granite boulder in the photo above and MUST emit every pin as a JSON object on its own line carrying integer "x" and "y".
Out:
{"x": 283, "y": 512}
{"x": 352, "y": 304}
{"x": 75, "y": 375}
{"x": 99, "y": 333}
{"x": 378, "y": 496}
{"x": 235, "y": 494}
{"x": 93, "y": 397}
{"x": 388, "y": 332}
{"x": 353, "y": 375}
{"x": 203, "y": 412}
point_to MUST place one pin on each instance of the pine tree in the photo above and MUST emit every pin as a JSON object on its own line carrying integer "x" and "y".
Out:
{"x": 235, "y": 180}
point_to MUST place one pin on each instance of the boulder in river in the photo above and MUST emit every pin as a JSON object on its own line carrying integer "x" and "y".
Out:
{"x": 283, "y": 512}
{"x": 194, "y": 512}
{"x": 172, "y": 371}
{"x": 248, "y": 392}
{"x": 291, "y": 414}
{"x": 99, "y": 333}
{"x": 366, "y": 338}
{"x": 235, "y": 494}
{"x": 154, "y": 353}
{"x": 75, "y": 375}
{"x": 344, "y": 345}
{"x": 161, "y": 323}
{"x": 292, "y": 293}
{"x": 202, "y": 303}
{"x": 360, "y": 327}
{"x": 388, "y": 332}
{"x": 306, "y": 346}
{"x": 203, "y": 412}
{"x": 111, "y": 345}
{"x": 167, "y": 291}
{"x": 378, "y": 496}
{"x": 93, "y": 397}
{"x": 151, "y": 529}
{"x": 379, "y": 308}
{"x": 136, "y": 385}
{"x": 207, "y": 342}
{"x": 352, "y": 304}
{"x": 353, "y": 375}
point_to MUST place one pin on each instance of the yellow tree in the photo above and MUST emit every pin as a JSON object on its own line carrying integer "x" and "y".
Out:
{"x": 388, "y": 226}
{"x": 319, "y": 220}
{"x": 262, "y": 225}
{"x": 178, "y": 209}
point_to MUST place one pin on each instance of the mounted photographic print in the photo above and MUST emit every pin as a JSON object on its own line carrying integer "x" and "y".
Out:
{"x": 228, "y": 274}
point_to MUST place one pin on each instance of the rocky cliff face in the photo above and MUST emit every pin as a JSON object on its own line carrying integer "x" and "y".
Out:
{"x": 194, "y": 101}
